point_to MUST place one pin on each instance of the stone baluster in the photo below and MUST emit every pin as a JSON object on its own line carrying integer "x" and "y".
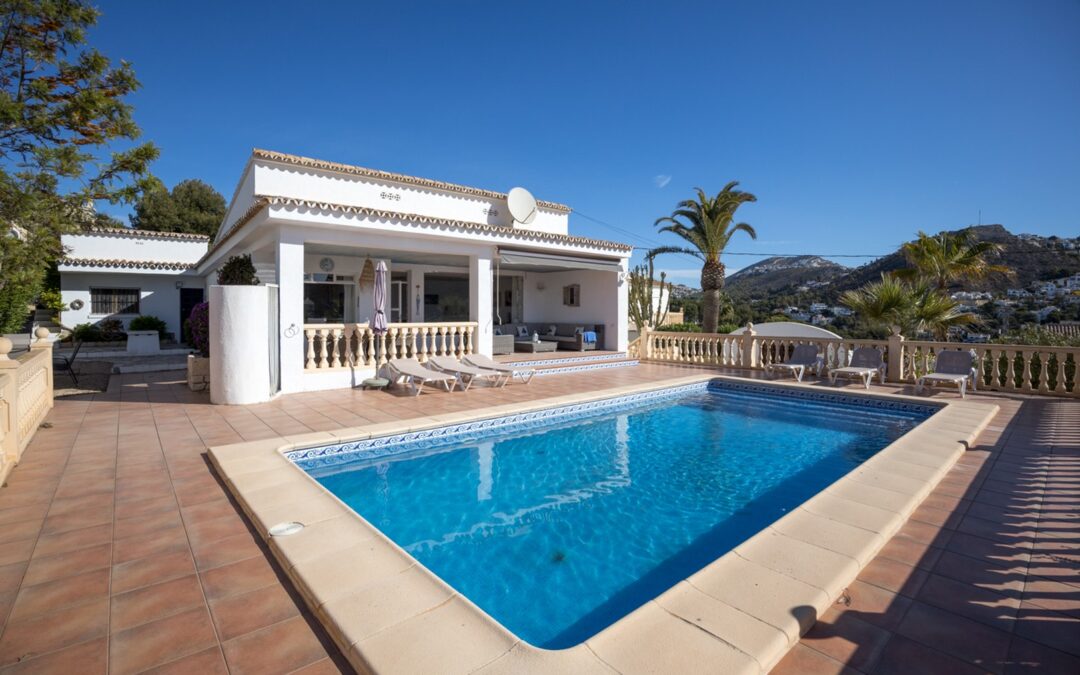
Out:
{"x": 309, "y": 336}
{"x": 335, "y": 348}
{"x": 322, "y": 360}
{"x": 1059, "y": 381}
{"x": 1044, "y": 372}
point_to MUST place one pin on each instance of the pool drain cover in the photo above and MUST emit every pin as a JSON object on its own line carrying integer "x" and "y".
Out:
{"x": 285, "y": 529}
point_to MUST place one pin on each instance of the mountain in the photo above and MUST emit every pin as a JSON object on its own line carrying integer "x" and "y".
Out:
{"x": 783, "y": 274}
{"x": 1031, "y": 257}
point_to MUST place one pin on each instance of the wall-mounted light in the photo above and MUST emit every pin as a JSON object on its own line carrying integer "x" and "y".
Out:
{"x": 540, "y": 285}
{"x": 179, "y": 283}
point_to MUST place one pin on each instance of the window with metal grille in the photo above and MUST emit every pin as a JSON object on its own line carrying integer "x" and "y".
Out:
{"x": 114, "y": 301}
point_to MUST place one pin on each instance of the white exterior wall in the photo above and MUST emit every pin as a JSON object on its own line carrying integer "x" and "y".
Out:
{"x": 158, "y": 296}
{"x": 285, "y": 180}
{"x": 132, "y": 247}
{"x": 604, "y": 300}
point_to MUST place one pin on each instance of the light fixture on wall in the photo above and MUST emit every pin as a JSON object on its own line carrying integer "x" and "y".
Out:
{"x": 179, "y": 283}
{"x": 540, "y": 285}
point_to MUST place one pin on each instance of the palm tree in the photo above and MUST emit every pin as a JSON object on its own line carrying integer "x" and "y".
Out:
{"x": 940, "y": 260}
{"x": 911, "y": 307}
{"x": 707, "y": 224}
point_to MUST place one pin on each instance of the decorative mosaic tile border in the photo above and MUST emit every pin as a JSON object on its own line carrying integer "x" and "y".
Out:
{"x": 568, "y": 359}
{"x": 541, "y": 372}
{"x": 851, "y": 400}
{"x": 373, "y": 448}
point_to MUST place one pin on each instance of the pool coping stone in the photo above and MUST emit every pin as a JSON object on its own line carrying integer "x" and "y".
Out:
{"x": 396, "y": 616}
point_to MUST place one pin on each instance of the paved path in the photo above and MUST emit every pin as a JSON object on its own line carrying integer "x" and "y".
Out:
{"x": 121, "y": 552}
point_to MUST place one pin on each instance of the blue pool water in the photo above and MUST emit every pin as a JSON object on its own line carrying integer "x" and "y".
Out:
{"x": 560, "y": 530}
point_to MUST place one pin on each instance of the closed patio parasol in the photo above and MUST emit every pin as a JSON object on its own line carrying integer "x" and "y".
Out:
{"x": 378, "y": 320}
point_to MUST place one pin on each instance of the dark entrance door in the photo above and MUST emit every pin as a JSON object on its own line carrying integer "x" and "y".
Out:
{"x": 189, "y": 297}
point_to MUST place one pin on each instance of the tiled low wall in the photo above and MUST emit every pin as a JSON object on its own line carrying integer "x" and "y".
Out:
{"x": 26, "y": 396}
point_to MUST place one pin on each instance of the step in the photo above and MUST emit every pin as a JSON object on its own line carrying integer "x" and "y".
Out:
{"x": 557, "y": 358}
{"x": 568, "y": 368}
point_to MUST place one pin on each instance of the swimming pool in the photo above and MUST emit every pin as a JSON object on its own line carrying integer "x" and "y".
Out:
{"x": 559, "y": 523}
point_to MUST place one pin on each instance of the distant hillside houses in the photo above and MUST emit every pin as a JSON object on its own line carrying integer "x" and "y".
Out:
{"x": 1062, "y": 243}
{"x": 1061, "y": 287}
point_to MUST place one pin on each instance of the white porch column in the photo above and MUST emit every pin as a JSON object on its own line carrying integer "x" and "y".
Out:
{"x": 480, "y": 300}
{"x": 290, "y": 279}
{"x": 622, "y": 314}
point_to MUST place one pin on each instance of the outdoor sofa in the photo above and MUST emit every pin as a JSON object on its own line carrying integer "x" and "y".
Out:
{"x": 574, "y": 337}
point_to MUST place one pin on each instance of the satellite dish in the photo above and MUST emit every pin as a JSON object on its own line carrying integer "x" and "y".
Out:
{"x": 522, "y": 205}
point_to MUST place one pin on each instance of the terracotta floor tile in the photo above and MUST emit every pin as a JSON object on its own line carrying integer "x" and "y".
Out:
{"x": 283, "y": 647}
{"x": 73, "y": 540}
{"x": 11, "y": 576}
{"x": 16, "y": 551}
{"x": 327, "y": 666}
{"x": 1007, "y": 580}
{"x": 894, "y": 576}
{"x": 210, "y": 510}
{"x": 145, "y": 507}
{"x": 24, "y": 529}
{"x": 803, "y": 660}
{"x": 985, "y": 606}
{"x": 1054, "y": 595}
{"x": 151, "y": 569}
{"x": 150, "y": 603}
{"x": 1060, "y": 631}
{"x": 875, "y": 605}
{"x": 906, "y": 657}
{"x": 85, "y": 658}
{"x": 207, "y": 662}
{"x": 911, "y": 552}
{"x": 239, "y": 614}
{"x": 160, "y": 642}
{"x": 67, "y": 564}
{"x": 229, "y": 550}
{"x": 239, "y": 577}
{"x": 207, "y": 532}
{"x": 40, "y": 635}
{"x": 58, "y": 594}
{"x": 168, "y": 540}
{"x": 1026, "y": 656}
{"x": 965, "y": 639}
{"x": 845, "y": 637}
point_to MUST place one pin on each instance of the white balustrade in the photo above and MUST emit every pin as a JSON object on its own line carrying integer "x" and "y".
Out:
{"x": 335, "y": 346}
{"x": 1020, "y": 368}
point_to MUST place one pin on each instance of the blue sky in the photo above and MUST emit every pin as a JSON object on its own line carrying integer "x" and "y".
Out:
{"x": 854, "y": 123}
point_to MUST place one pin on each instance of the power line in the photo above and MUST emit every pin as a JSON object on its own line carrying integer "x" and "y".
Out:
{"x": 654, "y": 243}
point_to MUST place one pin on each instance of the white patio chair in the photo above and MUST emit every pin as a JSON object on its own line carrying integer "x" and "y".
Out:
{"x": 951, "y": 367}
{"x": 481, "y": 361}
{"x": 864, "y": 364}
{"x": 803, "y": 358}
{"x": 416, "y": 375}
{"x": 465, "y": 373}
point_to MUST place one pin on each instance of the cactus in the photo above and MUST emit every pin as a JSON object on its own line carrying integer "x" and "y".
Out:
{"x": 642, "y": 310}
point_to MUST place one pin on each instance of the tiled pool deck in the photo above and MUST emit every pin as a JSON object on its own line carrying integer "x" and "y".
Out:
{"x": 120, "y": 550}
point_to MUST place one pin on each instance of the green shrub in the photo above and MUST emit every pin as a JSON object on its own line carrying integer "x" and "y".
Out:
{"x": 147, "y": 322}
{"x": 87, "y": 332}
{"x": 681, "y": 328}
{"x": 52, "y": 300}
{"x": 112, "y": 330}
{"x": 238, "y": 271}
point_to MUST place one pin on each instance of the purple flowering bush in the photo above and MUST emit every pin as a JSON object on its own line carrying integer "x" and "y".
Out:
{"x": 199, "y": 326}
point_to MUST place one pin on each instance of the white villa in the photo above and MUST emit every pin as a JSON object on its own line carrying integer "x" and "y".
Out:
{"x": 460, "y": 268}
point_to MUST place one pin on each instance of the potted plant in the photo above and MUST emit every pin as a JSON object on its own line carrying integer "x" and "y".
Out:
{"x": 198, "y": 362}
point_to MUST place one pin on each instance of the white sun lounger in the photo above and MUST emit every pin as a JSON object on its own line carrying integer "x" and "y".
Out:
{"x": 466, "y": 374}
{"x": 803, "y": 358}
{"x": 481, "y": 361}
{"x": 416, "y": 375}
{"x": 865, "y": 363}
{"x": 951, "y": 367}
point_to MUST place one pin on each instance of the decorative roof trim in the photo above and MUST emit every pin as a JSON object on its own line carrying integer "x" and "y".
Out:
{"x": 146, "y": 234}
{"x": 264, "y": 201}
{"x": 446, "y": 223}
{"x": 127, "y": 264}
{"x": 309, "y": 162}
